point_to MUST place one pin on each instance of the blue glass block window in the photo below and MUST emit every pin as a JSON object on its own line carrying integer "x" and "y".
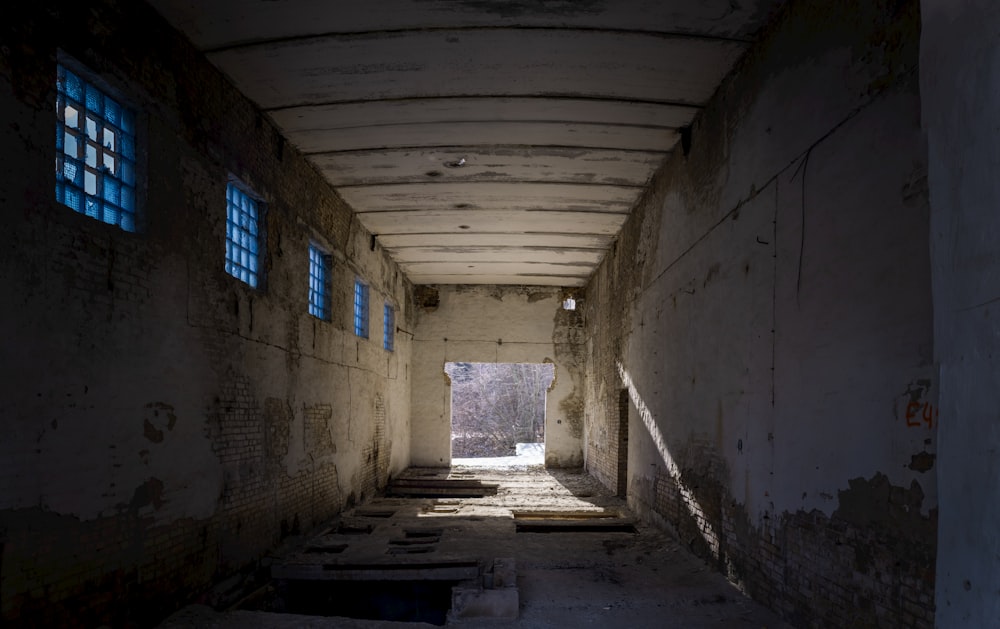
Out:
{"x": 242, "y": 235}
{"x": 361, "y": 308}
{"x": 388, "y": 327}
{"x": 319, "y": 283}
{"x": 95, "y": 152}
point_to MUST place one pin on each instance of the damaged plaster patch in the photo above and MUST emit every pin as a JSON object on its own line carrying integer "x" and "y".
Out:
{"x": 149, "y": 493}
{"x": 899, "y": 539}
{"x": 877, "y": 502}
{"x": 531, "y": 294}
{"x": 555, "y": 374}
{"x": 567, "y": 337}
{"x": 151, "y": 433}
{"x": 713, "y": 272}
{"x": 277, "y": 422}
{"x": 572, "y": 407}
{"x": 916, "y": 390}
{"x": 159, "y": 417}
{"x": 426, "y": 297}
{"x": 922, "y": 461}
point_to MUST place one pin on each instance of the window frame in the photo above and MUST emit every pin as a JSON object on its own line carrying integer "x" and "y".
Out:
{"x": 320, "y": 283}
{"x": 126, "y": 154}
{"x": 362, "y": 311}
{"x": 388, "y": 327}
{"x": 256, "y": 232}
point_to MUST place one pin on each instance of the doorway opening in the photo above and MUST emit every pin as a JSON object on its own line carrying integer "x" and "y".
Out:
{"x": 498, "y": 411}
{"x": 623, "y": 401}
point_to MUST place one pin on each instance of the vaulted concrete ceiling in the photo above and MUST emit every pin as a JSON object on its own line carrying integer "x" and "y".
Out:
{"x": 482, "y": 141}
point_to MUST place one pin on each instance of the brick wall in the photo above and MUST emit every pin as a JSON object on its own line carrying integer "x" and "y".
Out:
{"x": 164, "y": 424}
{"x": 605, "y": 301}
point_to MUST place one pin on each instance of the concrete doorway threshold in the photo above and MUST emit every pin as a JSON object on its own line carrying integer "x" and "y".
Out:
{"x": 541, "y": 548}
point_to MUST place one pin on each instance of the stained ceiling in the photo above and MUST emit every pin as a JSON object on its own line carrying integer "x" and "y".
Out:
{"x": 482, "y": 141}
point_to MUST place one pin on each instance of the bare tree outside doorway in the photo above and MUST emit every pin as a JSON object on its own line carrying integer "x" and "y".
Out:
{"x": 495, "y": 406}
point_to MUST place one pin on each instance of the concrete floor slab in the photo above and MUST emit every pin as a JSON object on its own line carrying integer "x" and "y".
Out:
{"x": 564, "y": 578}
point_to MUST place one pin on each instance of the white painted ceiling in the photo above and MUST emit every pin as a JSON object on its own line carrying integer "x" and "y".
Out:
{"x": 482, "y": 141}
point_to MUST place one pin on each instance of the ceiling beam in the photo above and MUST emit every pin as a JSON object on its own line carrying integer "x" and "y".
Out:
{"x": 498, "y": 163}
{"x": 485, "y": 133}
{"x": 265, "y": 42}
{"x": 594, "y": 63}
{"x": 511, "y": 222}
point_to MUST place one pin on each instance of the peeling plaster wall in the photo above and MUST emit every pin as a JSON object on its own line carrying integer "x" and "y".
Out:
{"x": 768, "y": 310}
{"x": 505, "y": 324}
{"x": 163, "y": 424}
{"x": 960, "y": 87}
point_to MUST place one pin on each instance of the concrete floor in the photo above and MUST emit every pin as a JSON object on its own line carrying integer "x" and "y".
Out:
{"x": 571, "y": 578}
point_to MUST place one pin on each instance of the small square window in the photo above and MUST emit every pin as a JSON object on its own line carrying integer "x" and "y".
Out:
{"x": 319, "y": 283}
{"x": 360, "y": 308}
{"x": 388, "y": 327}
{"x": 94, "y": 171}
{"x": 242, "y": 235}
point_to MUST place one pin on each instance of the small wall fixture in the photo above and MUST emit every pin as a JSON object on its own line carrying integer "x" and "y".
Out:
{"x": 569, "y": 304}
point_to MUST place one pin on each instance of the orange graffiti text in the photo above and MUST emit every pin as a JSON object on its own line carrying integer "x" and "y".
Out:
{"x": 920, "y": 414}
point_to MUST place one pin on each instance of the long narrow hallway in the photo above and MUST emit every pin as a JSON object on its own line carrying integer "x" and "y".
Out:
{"x": 254, "y": 253}
{"x": 517, "y": 547}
